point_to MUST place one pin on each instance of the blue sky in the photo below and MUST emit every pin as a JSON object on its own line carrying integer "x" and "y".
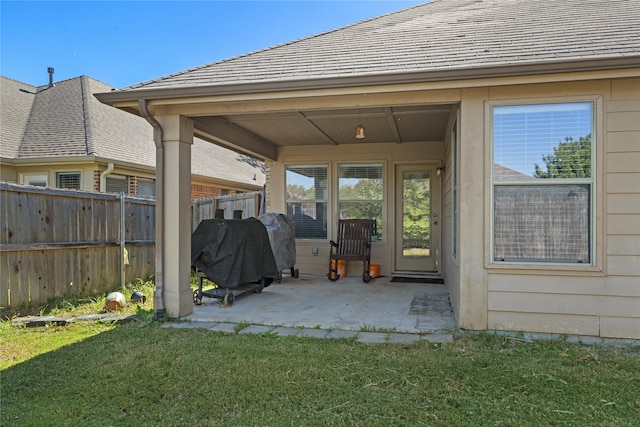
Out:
{"x": 125, "y": 42}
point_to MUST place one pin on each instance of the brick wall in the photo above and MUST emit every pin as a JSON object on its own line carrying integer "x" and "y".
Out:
{"x": 199, "y": 191}
{"x": 96, "y": 180}
{"x": 133, "y": 185}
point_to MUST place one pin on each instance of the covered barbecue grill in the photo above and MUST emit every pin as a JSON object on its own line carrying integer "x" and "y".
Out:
{"x": 282, "y": 236}
{"x": 235, "y": 254}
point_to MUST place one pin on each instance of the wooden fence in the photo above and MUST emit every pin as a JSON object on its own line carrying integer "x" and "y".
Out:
{"x": 56, "y": 243}
{"x": 246, "y": 203}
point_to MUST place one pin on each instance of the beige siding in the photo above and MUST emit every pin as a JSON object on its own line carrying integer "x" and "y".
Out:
{"x": 574, "y": 304}
{"x": 602, "y": 301}
{"x": 622, "y": 142}
{"x": 623, "y": 162}
{"x": 8, "y": 173}
{"x": 624, "y": 265}
{"x": 623, "y": 183}
{"x": 623, "y": 245}
{"x": 450, "y": 265}
{"x": 623, "y": 204}
{"x": 473, "y": 203}
{"x": 623, "y": 224}
{"x": 549, "y": 323}
{"x": 568, "y": 284}
{"x": 619, "y": 327}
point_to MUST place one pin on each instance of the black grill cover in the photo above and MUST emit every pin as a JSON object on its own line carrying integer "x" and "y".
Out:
{"x": 233, "y": 252}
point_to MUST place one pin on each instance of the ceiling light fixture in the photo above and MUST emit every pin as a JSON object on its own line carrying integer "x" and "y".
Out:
{"x": 359, "y": 128}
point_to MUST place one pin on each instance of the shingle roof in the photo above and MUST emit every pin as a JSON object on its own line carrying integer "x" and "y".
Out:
{"x": 438, "y": 36}
{"x": 13, "y": 121}
{"x": 68, "y": 121}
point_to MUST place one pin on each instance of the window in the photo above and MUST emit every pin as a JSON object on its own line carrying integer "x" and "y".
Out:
{"x": 36, "y": 180}
{"x": 543, "y": 183}
{"x": 117, "y": 184}
{"x": 70, "y": 180}
{"x": 360, "y": 193}
{"x": 307, "y": 195}
{"x": 146, "y": 187}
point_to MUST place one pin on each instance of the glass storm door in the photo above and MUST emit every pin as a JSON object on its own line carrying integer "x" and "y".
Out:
{"x": 417, "y": 219}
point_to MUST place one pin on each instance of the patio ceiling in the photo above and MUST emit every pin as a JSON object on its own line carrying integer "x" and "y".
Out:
{"x": 262, "y": 133}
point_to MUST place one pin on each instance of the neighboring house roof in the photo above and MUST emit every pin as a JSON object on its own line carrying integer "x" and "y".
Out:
{"x": 68, "y": 121}
{"x": 442, "y": 36}
{"x": 503, "y": 172}
{"x": 13, "y": 121}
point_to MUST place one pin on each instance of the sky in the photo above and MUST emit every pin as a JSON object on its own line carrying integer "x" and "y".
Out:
{"x": 122, "y": 43}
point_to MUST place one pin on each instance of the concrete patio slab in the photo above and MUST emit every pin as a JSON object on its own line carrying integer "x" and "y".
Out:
{"x": 403, "y": 338}
{"x": 339, "y": 333}
{"x": 313, "y": 333}
{"x": 224, "y": 327}
{"x": 312, "y": 302}
{"x": 372, "y": 337}
{"x": 256, "y": 329}
{"x": 286, "y": 331}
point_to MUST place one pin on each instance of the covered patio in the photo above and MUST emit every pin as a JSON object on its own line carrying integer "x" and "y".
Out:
{"x": 409, "y": 107}
{"x": 314, "y": 302}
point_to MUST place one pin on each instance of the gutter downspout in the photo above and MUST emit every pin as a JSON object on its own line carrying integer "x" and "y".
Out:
{"x": 103, "y": 177}
{"x": 158, "y": 296}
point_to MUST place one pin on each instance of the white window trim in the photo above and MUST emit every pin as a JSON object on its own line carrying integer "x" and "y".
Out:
{"x": 597, "y": 264}
{"x": 380, "y": 227}
{"x": 328, "y": 199}
{"x": 70, "y": 172}
{"x": 26, "y": 178}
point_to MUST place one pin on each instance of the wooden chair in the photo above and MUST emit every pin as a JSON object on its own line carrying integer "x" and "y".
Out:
{"x": 353, "y": 244}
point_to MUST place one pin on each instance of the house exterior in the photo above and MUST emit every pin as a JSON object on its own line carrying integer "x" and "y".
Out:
{"x": 61, "y": 136}
{"x": 501, "y": 152}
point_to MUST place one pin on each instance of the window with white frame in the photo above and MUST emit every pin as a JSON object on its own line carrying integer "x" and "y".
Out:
{"x": 361, "y": 192}
{"x": 543, "y": 183}
{"x": 69, "y": 180}
{"x": 38, "y": 180}
{"x": 307, "y": 199}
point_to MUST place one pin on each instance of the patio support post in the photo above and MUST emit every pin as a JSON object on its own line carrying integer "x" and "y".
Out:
{"x": 473, "y": 299}
{"x": 176, "y": 212}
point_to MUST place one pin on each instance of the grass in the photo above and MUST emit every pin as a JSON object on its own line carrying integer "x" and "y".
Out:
{"x": 74, "y": 306}
{"x": 141, "y": 374}
{"x": 78, "y": 305}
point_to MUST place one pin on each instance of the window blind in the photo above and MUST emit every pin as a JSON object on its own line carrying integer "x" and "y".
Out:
{"x": 70, "y": 180}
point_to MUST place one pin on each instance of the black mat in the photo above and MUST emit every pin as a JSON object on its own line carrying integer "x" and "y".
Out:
{"x": 438, "y": 280}
{"x": 426, "y": 304}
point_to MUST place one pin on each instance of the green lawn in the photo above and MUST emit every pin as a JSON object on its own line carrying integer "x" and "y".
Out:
{"x": 140, "y": 374}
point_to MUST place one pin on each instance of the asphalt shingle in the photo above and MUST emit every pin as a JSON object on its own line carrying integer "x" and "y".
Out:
{"x": 439, "y": 35}
{"x": 13, "y": 121}
{"x": 67, "y": 120}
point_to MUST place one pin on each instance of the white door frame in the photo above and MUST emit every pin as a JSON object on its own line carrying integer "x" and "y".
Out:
{"x": 418, "y": 265}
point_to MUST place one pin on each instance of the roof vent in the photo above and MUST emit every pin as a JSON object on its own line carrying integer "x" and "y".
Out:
{"x": 50, "y": 71}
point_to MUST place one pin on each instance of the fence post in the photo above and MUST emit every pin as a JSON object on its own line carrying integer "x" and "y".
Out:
{"x": 122, "y": 237}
